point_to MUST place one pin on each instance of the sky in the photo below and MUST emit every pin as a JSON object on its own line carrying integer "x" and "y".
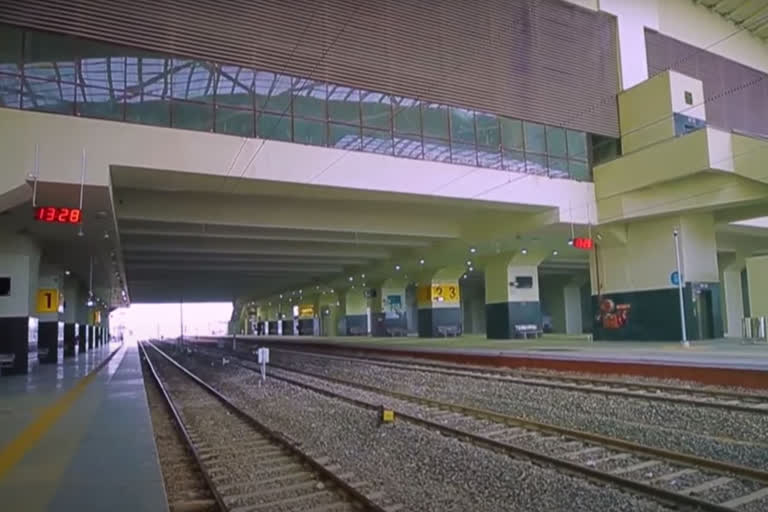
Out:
{"x": 144, "y": 321}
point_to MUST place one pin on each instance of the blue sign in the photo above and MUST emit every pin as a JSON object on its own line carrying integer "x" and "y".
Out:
{"x": 674, "y": 278}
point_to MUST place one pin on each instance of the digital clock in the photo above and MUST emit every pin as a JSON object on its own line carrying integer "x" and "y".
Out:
{"x": 585, "y": 244}
{"x": 59, "y": 215}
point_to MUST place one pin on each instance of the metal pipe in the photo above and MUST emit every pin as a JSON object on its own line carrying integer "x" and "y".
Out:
{"x": 680, "y": 288}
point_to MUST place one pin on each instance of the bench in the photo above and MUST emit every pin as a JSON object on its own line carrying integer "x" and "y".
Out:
{"x": 7, "y": 360}
{"x": 357, "y": 331}
{"x": 449, "y": 330}
{"x": 525, "y": 330}
{"x": 397, "y": 331}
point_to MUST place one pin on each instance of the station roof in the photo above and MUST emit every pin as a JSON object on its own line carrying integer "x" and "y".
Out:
{"x": 751, "y": 15}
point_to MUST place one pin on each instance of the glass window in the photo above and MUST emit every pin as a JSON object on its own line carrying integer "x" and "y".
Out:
{"x": 274, "y": 126}
{"x": 488, "y": 157}
{"x": 234, "y": 121}
{"x": 192, "y": 80}
{"x": 462, "y": 125}
{"x": 343, "y": 104}
{"x": 377, "y": 141}
{"x": 535, "y": 139}
{"x": 536, "y": 164}
{"x": 147, "y": 109}
{"x": 408, "y": 147}
{"x": 463, "y": 154}
{"x": 344, "y": 136}
{"x": 578, "y": 170}
{"x": 234, "y": 86}
{"x": 10, "y": 91}
{"x": 487, "y": 130}
{"x": 49, "y": 56}
{"x": 406, "y": 113}
{"x": 147, "y": 75}
{"x": 306, "y": 131}
{"x": 98, "y": 102}
{"x": 10, "y": 49}
{"x": 103, "y": 72}
{"x": 558, "y": 168}
{"x": 309, "y": 99}
{"x": 513, "y": 161}
{"x": 437, "y": 150}
{"x": 556, "y": 142}
{"x": 577, "y": 145}
{"x": 604, "y": 149}
{"x": 192, "y": 116}
{"x": 435, "y": 118}
{"x": 511, "y": 133}
{"x": 48, "y": 96}
{"x": 273, "y": 92}
{"x": 376, "y": 110}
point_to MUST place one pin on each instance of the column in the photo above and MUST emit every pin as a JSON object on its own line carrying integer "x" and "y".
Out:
{"x": 329, "y": 307}
{"x": 308, "y": 323}
{"x": 49, "y": 304}
{"x": 355, "y": 305}
{"x": 388, "y": 313}
{"x": 82, "y": 336}
{"x": 731, "y": 266}
{"x": 512, "y": 293}
{"x": 72, "y": 304}
{"x": 439, "y": 303}
{"x": 634, "y": 280}
{"x": 757, "y": 279}
{"x": 20, "y": 262}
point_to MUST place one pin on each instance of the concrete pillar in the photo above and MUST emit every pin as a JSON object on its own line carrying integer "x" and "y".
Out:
{"x": 19, "y": 270}
{"x": 573, "y": 317}
{"x": 439, "y": 302}
{"x": 308, "y": 321}
{"x": 731, "y": 266}
{"x": 512, "y": 293}
{"x": 49, "y": 306}
{"x": 633, "y": 280}
{"x": 387, "y": 304}
{"x": 757, "y": 279}
{"x": 329, "y": 310}
{"x": 73, "y": 302}
{"x": 355, "y": 306}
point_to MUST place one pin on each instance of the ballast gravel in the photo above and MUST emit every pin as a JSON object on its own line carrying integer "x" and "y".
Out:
{"x": 414, "y": 466}
{"x": 731, "y": 436}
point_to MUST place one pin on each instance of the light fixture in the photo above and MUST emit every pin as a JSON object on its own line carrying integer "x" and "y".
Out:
{"x": 570, "y": 241}
{"x": 89, "y": 302}
{"x": 317, "y": 287}
{"x": 523, "y": 251}
{"x": 362, "y": 276}
{"x": 351, "y": 279}
{"x": 471, "y": 269}
{"x": 106, "y": 235}
{"x": 464, "y": 276}
{"x": 555, "y": 253}
{"x": 469, "y": 263}
{"x": 421, "y": 261}
{"x": 281, "y": 295}
{"x": 363, "y": 285}
{"x": 67, "y": 272}
{"x": 472, "y": 250}
{"x": 397, "y": 267}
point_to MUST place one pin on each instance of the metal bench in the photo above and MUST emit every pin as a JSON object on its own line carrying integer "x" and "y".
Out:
{"x": 449, "y": 330}
{"x": 397, "y": 331}
{"x": 7, "y": 360}
{"x": 525, "y": 330}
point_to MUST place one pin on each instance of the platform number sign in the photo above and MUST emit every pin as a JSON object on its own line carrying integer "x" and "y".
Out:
{"x": 445, "y": 292}
{"x": 47, "y": 300}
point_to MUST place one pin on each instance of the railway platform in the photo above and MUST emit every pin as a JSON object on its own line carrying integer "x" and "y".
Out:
{"x": 729, "y": 362}
{"x": 78, "y": 436}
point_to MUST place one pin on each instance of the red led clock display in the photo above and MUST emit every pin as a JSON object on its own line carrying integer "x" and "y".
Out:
{"x": 59, "y": 215}
{"x": 583, "y": 243}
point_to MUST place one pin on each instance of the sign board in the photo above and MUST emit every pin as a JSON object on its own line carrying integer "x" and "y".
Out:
{"x": 306, "y": 311}
{"x": 674, "y": 278}
{"x": 585, "y": 244}
{"x": 439, "y": 292}
{"x": 59, "y": 215}
{"x": 95, "y": 317}
{"x": 263, "y": 355}
{"x": 47, "y": 300}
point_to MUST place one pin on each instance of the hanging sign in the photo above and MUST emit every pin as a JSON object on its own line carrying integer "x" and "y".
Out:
{"x": 47, "y": 300}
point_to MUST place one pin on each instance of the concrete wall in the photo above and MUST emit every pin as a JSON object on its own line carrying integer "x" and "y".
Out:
{"x": 19, "y": 260}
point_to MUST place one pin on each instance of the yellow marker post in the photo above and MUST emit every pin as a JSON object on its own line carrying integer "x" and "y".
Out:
{"x": 387, "y": 416}
{"x": 47, "y": 300}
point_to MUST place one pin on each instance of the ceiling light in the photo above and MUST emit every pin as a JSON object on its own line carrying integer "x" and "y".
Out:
{"x": 471, "y": 269}
{"x": 464, "y": 276}
{"x": 317, "y": 287}
{"x": 555, "y": 253}
{"x": 106, "y": 235}
{"x": 524, "y": 251}
{"x": 67, "y": 272}
{"x": 362, "y": 275}
{"x": 472, "y": 250}
{"x": 397, "y": 267}
{"x": 351, "y": 278}
{"x": 281, "y": 295}
{"x": 570, "y": 241}
{"x": 363, "y": 284}
{"x": 421, "y": 261}
{"x": 469, "y": 263}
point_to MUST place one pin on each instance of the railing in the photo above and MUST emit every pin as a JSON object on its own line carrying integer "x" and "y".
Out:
{"x": 755, "y": 328}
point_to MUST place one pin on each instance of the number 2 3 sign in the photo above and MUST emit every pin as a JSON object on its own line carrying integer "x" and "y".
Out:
{"x": 445, "y": 292}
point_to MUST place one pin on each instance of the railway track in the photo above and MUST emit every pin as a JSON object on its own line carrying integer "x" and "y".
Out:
{"x": 248, "y": 466}
{"x": 730, "y": 400}
{"x": 675, "y": 479}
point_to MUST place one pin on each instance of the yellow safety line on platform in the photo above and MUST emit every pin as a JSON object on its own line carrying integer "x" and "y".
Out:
{"x": 14, "y": 451}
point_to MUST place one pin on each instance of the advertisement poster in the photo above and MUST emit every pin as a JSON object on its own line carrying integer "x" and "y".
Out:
{"x": 612, "y": 315}
{"x": 393, "y": 306}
